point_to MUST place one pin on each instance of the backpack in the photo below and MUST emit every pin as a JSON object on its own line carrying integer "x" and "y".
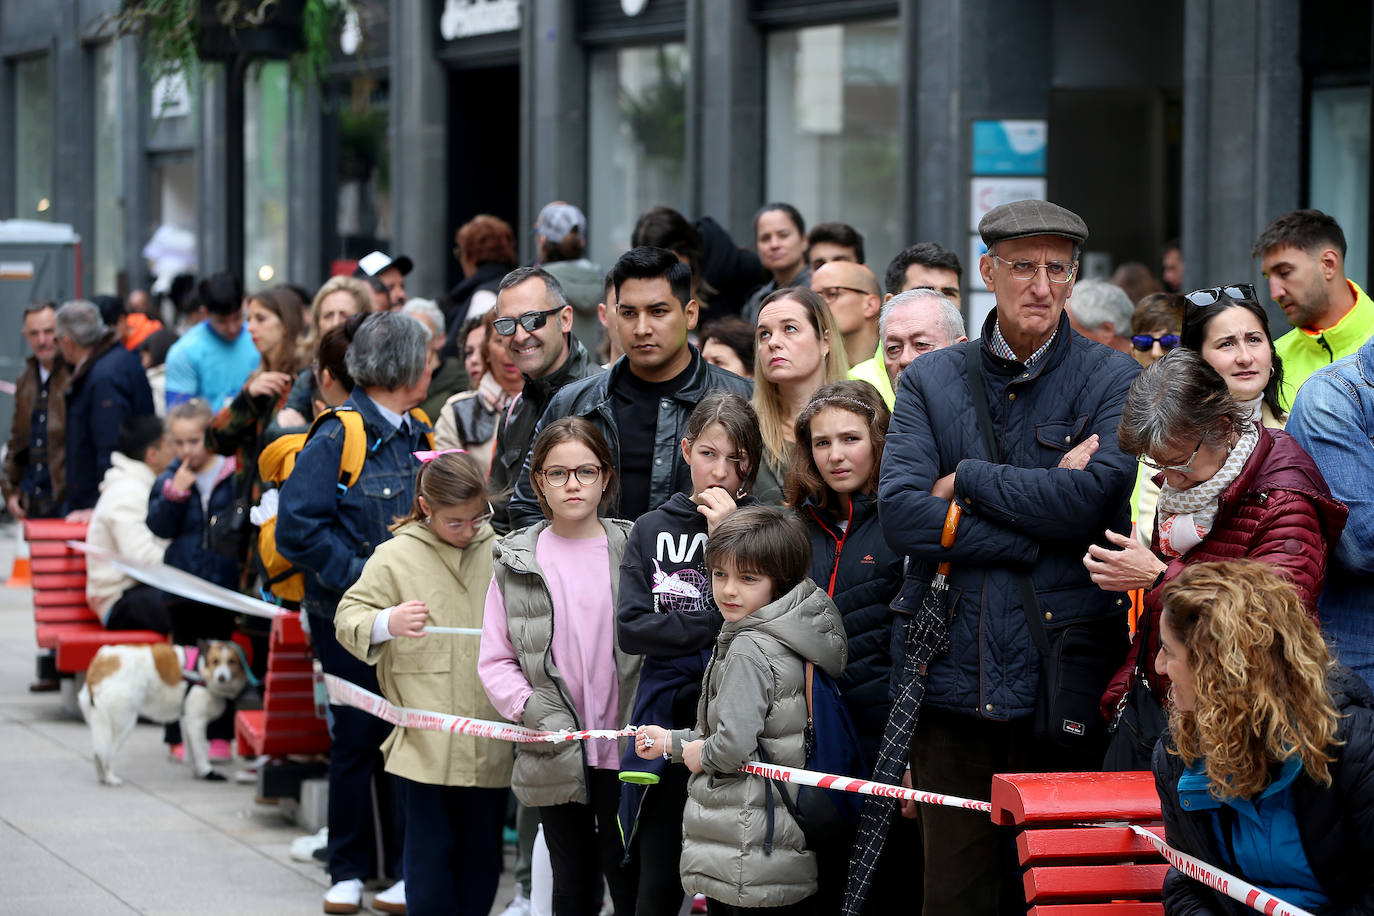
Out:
{"x": 832, "y": 746}
{"x": 282, "y": 581}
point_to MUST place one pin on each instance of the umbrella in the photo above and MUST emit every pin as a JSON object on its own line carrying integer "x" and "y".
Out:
{"x": 925, "y": 637}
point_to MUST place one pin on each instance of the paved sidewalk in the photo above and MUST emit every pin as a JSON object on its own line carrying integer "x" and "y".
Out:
{"x": 161, "y": 843}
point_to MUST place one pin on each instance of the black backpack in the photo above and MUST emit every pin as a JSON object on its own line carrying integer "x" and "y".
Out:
{"x": 832, "y": 746}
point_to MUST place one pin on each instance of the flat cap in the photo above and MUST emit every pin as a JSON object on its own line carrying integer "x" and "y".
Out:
{"x": 1023, "y": 218}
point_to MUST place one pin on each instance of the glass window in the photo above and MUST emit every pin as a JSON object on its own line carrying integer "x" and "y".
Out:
{"x": 831, "y": 136}
{"x": 638, "y": 141}
{"x": 33, "y": 151}
{"x": 109, "y": 158}
{"x": 361, "y": 154}
{"x": 264, "y": 175}
{"x": 1339, "y": 177}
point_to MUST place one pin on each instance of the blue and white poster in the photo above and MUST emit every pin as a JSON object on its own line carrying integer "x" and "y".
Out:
{"x": 1014, "y": 147}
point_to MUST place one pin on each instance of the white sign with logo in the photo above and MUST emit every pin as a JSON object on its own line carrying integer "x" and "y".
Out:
{"x": 987, "y": 193}
{"x": 466, "y": 18}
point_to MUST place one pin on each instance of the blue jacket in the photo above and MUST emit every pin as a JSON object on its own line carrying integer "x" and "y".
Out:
{"x": 1324, "y": 833}
{"x": 1333, "y": 420}
{"x": 1024, "y": 515}
{"x": 108, "y": 388}
{"x": 329, "y": 533}
{"x": 862, "y": 575}
{"x": 179, "y": 517}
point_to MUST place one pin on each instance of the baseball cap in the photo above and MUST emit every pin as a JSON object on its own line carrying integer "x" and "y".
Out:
{"x": 370, "y": 265}
{"x": 558, "y": 219}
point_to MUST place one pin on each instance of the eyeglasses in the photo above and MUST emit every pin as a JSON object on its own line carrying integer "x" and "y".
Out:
{"x": 1056, "y": 271}
{"x": 586, "y": 475}
{"x": 1145, "y": 342}
{"x": 1241, "y": 292}
{"x": 530, "y": 321}
{"x": 476, "y": 522}
{"x": 831, "y": 293}
{"x": 951, "y": 292}
{"x": 1177, "y": 468}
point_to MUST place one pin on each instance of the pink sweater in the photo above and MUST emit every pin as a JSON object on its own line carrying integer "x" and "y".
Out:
{"x": 583, "y": 640}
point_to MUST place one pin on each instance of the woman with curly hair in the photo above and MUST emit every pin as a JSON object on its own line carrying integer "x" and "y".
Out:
{"x": 1268, "y": 767}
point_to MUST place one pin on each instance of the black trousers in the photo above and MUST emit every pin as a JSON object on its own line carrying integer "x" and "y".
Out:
{"x": 806, "y": 907}
{"x": 452, "y": 848}
{"x": 140, "y": 608}
{"x": 658, "y": 845}
{"x": 584, "y": 844}
{"x": 355, "y": 773}
{"x": 970, "y": 864}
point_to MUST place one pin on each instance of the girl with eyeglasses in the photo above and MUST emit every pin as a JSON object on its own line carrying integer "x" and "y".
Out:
{"x": 550, "y": 660}
{"x": 435, "y": 571}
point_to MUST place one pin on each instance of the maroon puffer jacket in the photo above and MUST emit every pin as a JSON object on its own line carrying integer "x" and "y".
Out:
{"x": 1278, "y": 511}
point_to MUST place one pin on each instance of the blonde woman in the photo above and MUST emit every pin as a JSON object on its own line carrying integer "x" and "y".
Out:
{"x": 1268, "y": 767}
{"x": 793, "y": 356}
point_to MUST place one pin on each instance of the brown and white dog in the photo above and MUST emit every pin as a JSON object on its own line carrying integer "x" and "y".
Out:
{"x": 125, "y": 682}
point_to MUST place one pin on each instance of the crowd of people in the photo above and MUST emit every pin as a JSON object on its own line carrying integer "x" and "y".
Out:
{"x": 677, "y": 492}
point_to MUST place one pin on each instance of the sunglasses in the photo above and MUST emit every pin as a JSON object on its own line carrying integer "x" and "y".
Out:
{"x": 530, "y": 321}
{"x": 1241, "y": 292}
{"x": 1145, "y": 342}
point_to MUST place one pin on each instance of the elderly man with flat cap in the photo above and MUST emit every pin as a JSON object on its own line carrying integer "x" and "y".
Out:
{"x": 1039, "y": 477}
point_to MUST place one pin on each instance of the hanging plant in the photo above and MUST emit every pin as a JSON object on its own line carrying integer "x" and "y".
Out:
{"x": 176, "y": 35}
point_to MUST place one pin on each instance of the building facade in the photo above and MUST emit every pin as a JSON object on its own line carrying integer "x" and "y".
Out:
{"x": 905, "y": 118}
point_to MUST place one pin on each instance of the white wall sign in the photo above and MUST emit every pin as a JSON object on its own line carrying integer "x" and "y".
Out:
{"x": 986, "y": 193}
{"x": 171, "y": 96}
{"x": 466, "y": 18}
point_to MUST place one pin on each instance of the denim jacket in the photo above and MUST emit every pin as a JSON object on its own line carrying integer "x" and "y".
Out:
{"x": 330, "y": 533}
{"x": 1333, "y": 419}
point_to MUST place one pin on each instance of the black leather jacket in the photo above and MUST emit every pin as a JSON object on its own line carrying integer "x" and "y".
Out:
{"x": 592, "y": 400}
{"x": 515, "y": 434}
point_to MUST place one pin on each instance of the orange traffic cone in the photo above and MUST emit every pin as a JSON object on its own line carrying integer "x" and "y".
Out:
{"x": 21, "y": 576}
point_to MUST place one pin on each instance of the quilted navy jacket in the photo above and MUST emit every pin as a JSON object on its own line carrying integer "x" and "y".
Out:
{"x": 1026, "y": 514}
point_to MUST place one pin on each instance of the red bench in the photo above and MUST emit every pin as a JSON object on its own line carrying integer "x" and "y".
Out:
{"x": 287, "y": 723}
{"x": 1074, "y": 868}
{"x": 64, "y": 622}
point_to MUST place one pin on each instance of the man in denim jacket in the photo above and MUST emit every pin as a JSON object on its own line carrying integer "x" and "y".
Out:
{"x": 330, "y": 532}
{"x": 1333, "y": 419}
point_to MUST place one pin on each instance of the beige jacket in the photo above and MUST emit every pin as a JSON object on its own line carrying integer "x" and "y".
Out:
{"x": 119, "y": 523}
{"x": 435, "y": 672}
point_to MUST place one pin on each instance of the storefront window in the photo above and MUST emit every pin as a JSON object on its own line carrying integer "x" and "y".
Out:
{"x": 264, "y": 175}
{"x": 1339, "y": 177}
{"x": 109, "y": 157}
{"x": 361, "y": 153}
{"x": 33, "y": 152}
{"x": 832, "y": 147}
{"x": 638, "y": 140}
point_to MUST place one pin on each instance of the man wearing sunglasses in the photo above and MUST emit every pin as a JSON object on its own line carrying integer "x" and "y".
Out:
{"x": 1046, "y": 486}
{"x": 535, "y": 321}
{"x": 1101, "y": 311}
{"x": 641, "y": 404}
{"x": 1303, "y": 257}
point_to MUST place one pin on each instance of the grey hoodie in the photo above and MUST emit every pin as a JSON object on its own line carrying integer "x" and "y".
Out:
{"x": 754, "y": 695}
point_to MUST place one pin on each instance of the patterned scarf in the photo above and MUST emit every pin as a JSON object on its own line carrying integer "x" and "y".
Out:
{"x": 1186, "y": 516}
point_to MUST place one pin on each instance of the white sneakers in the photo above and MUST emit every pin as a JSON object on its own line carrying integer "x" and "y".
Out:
{"x": 392, "y": 900}
{"x": 520, "y": 906}
{"x": 303, "y": 847}
{"x": 344, "y": 897}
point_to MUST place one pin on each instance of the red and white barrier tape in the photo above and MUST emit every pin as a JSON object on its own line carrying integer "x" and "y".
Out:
{"x": 861, "y": 786}
{"x": 1220, "y": 881}
{"x": 347, "y": 694}
{"x": 7, "y": 387}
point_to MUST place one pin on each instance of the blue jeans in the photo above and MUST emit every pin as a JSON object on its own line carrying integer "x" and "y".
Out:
{"x": 453, "y": 848}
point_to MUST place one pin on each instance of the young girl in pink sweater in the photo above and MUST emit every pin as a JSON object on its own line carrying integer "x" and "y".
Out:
{"x": 549, "y": 660}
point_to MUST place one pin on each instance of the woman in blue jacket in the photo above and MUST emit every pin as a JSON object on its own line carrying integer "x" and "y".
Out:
{"x": 1268, "y": 768}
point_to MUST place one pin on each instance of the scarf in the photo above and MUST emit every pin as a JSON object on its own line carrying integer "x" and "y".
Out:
{"x": 1187, "y": 516}
{"x": 492, "y": 394}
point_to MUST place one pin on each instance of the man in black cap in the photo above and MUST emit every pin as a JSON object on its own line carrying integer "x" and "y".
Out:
{"x": 1043, "y": 482}
{"x": 388, "y": 273}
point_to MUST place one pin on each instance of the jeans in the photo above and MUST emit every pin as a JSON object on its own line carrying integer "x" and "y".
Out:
{"x": 452, "y": 848}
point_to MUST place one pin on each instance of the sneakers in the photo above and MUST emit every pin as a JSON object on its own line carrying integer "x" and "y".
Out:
{"x": 221, "y": 751}
{"x": 303, "y": 848}
{"x": 344, "y": 897}
{"x": 520, "y": 906}
{"x": 391, "y": 900}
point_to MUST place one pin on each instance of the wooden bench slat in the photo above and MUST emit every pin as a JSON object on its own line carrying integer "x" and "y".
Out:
{"x": 76, "y": 649}
{"x": 1089, "y": 883}
{"x": 53, "y": 529}
{"x": 61, "y": 596}
{"x": 52, "y": 549}
{"x": 47, "y": 635}
{"x": 1084, "y": 844}
{"x": 48, "y": 582}
{"x": 1046, "y": 798}
{"x": 75, "y": 613}
{"x": 72, "y": 563}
